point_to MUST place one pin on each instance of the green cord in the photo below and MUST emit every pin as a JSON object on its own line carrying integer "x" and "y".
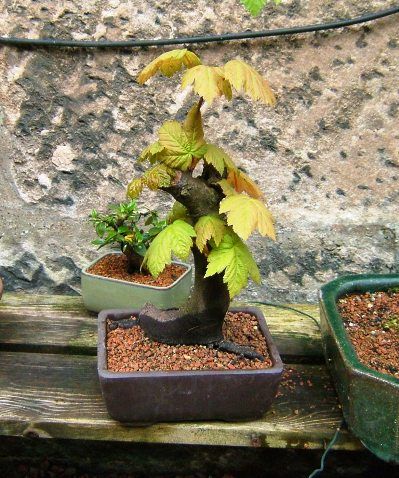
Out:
{"x": 326, "y": 451}
{"x": 287, "y": 307}
{"x": 335, "y": 437}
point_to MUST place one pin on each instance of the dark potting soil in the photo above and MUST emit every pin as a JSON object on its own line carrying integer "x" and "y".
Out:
{"x": 128, "y": 350}
{"x": 372, "y": 322}
{"x": 114, "y": 266}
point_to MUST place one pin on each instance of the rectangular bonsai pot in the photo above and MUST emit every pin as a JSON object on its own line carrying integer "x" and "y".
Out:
{"x": 149, "y": 397}
{"x": 369, "y": 399}
{"x": 101, "y": 293}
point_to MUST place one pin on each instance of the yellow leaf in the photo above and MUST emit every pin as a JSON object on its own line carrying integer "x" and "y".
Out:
{"x": 246, "y": 214}
{"x": 227, "y": 188}
{"x": 160, "y": 176}
{"x": 176, "y": 239}
{"x": 207, "y": 228}
{"x": 150, "y": 152}
{"x": 241, "y": 182}
{"x": 178, "y": 211}
{"x": 193, "y": 125}
{"x": 233, "y": 257}
{"x": 207, "y": 81}
{"x": 179, "y": 147}
{"x": 217, "y": 157}
{"x": 134, "y": 188}
{"x": 244, "y": 78}
{"x": 169, "y": 63}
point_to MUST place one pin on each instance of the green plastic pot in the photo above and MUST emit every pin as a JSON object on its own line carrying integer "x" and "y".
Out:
{"x": 369, "y": 399}
{"x": 101, "y": 293}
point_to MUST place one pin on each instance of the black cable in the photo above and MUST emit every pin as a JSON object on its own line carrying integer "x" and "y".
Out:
{"x": 52, "y": 42}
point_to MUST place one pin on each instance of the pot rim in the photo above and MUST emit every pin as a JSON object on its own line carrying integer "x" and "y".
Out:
{"x": 135, "y": 284}
{"x": 276, "y": 368}
{"x": 329, "y": 295}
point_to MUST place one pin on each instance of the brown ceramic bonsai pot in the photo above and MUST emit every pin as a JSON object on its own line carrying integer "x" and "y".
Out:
{"x": 149, "y": 397}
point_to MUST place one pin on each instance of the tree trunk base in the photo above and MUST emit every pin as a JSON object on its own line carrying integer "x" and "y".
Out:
{"x": 176, "y": 327}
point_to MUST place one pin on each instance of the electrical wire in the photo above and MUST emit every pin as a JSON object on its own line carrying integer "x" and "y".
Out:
{"x": 286, "y": 307}
{"x": 326, "y": 452}
{"x": 54, "y": 42}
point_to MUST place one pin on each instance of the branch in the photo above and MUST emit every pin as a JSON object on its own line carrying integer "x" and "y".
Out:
{"x": 195, "y": 194}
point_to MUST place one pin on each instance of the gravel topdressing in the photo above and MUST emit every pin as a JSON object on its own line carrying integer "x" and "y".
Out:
{"x": 114, "y": 266}
{"x": 128, "y": 350}
{"x": 369, "y": 319}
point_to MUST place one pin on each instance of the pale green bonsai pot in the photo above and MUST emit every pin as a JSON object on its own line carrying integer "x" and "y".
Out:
{"x": 101, "y": 293}
{"x": 369, "y": 399}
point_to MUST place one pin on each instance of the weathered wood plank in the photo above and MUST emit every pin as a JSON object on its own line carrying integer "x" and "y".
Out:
{"x": 61, "y": 323}
{"x": 58, "y": 396}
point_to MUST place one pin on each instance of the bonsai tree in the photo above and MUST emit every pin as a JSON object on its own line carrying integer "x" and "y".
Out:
{"x": 129, "y": 229}
{"x": 217, "y": 205}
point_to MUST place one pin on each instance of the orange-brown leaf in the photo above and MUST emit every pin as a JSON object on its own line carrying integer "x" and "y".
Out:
{"x": 243, "y": 183}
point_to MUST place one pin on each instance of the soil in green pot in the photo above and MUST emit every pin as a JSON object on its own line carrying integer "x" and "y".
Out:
{"x": 114, "y": 266}
{"x": 372, "y": 323}
{"x": 128, "y": 350}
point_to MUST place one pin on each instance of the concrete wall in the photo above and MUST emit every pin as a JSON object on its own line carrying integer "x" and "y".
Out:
{"x": 74, "y": 121}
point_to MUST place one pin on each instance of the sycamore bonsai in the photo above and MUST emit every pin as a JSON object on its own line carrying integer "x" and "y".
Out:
{"x": 217, "y": 205}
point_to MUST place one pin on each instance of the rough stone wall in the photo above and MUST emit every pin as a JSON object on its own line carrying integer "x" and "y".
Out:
{"x": 73, "y": 122}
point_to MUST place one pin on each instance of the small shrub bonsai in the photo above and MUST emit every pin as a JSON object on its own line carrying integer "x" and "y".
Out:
{"x": 217, "y": 205}
{"x": 129, "y": 229}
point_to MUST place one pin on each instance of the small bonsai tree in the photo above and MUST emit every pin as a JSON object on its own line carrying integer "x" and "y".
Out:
{"x": 129, "y": 229}
{"x": 216, "y": 209}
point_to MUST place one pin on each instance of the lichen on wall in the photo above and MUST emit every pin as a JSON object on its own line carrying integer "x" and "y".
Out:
{"x": 74, "y": 121}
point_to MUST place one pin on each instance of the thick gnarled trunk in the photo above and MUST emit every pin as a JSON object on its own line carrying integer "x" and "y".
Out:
{"x": 200, "y": 320}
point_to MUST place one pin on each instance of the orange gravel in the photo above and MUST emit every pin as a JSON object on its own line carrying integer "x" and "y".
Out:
{"x": 114, "y": 267}
{"x": 128, "y": 350}
{"x": 365, "y": 317}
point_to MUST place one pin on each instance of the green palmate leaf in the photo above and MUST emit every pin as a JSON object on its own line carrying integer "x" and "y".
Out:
{"x": 180, "y": 147}
{"x": 160, "y": 176}
{"x": 134, "y": 188}
{"x": 233, "y": 258}
{"x": 244, "y": 78}
{"x": 151, "y": 152}
{"x": 246, "y": 214}
{"x": 176, "y": 238}
{"x": 207, "y": 228}
{"x": 207, "y": 81}
{"x": 169, "y": 63}
{"x": 178, "y": 212}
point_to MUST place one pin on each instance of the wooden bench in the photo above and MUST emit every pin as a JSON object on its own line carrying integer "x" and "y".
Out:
{"x": 49, "y": 387}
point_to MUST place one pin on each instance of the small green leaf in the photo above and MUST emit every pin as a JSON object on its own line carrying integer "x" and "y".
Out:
{"x": 100, "y": 229}
{"x": 255, "y": 6}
